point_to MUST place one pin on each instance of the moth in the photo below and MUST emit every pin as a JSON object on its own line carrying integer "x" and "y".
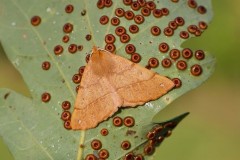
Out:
{"x": 109, "y": 82}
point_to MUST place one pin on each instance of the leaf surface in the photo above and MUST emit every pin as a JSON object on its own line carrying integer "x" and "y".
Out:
{"x": 33, "y": 129}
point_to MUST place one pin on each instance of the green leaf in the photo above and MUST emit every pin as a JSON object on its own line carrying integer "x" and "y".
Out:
{"x": 33, "y": 129}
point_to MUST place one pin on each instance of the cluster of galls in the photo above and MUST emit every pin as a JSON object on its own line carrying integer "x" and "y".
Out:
{"x": 97, "y": 145}
{"x": 58, "y": 50}
{"x": 154, "y": 138}
{"x": 132, "y": 156}
{"x": 146, "y": 9}
{"x": 66, "y": 115}
{"x": 102, "y": 153}
{"x": 78, "y": 76}
{"x": 67, "y": 30}
{"x": 127, "y": 121}
{"x": 123, "y": 33}
{"x": 157, "y": 135}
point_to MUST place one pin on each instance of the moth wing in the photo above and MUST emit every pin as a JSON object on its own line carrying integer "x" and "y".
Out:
{"x": 119, "y": 83}
{"x": 137, "y": 85}
{"x": 96, "y": 99}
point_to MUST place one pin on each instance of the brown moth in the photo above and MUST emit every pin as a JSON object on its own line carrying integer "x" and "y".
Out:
{"x": 109, "y": 82}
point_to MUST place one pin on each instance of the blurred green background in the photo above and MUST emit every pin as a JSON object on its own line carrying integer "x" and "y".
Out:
{"x": 212, "y": 130}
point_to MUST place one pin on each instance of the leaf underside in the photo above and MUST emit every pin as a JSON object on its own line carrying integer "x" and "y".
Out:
{"x": 33, "y": 129}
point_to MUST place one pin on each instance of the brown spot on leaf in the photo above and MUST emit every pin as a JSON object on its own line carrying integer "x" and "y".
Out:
{"x": 125, "y": 145}
{"x": 129, "y": 121}
{"x": 6, "y": 95}
{"x": 88, "y": 37}
{"x": 201, "y": 9}
{"x": 91, "y": 157}
{"x": 133, "y": 28}
{"x": 157, "y": 13}
{"x": 177, "y": 82}
{"x": 103, "y": 153}
{"x": 104, "y": 19}
{"x": 35, "y": 20}
{"x": 66, "y": 105}
{"x": 83, "y": 13}
{"x": 46, "y": 65}
{"x": 67, "y": 125}
{"x": 130, "y": 132}
{"x": 67, "y": 28}
{"x": 46, "y": 97}
{"x": 69, "y": 8}
{"x": 196, "y": 70}
{"x": 104, "y": 132}
{"x": 110, "y": 47}
{"x": 199, "y": 54}
{"x": 153, "y": 62}
{"x": 96, "y": 144}
{"x": 66, "y": 115}
{"x": 58, "y": 49}
{"x": 119, "y": 12}
{"x": 145, "y": 11}
{"x": 117, "y": 121}
{"x": 135, "y": 57}
{"x": 115, "y": 21}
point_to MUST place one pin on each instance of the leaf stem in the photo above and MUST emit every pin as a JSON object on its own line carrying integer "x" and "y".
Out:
{"x": 80, "y": 150}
